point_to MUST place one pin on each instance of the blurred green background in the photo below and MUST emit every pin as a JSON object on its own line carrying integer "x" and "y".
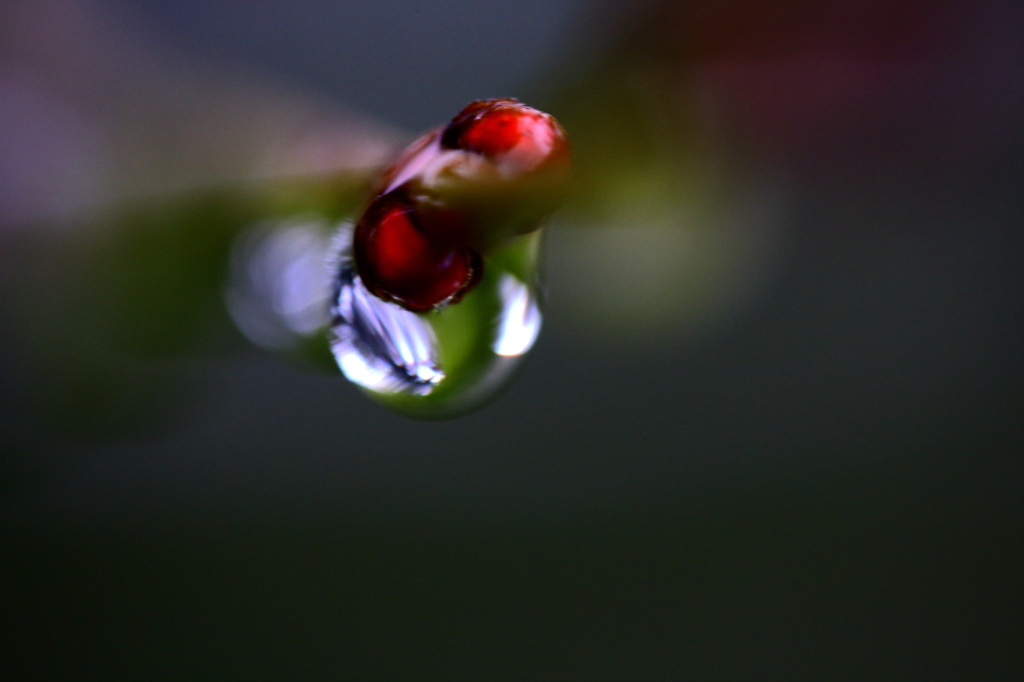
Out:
{"x": 772, "y": 428}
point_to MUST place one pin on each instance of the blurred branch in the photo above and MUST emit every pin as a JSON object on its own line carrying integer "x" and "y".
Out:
{"x": 94, "y": 115}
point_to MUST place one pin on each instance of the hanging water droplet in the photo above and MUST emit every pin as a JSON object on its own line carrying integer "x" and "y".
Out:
{"x": 439, "y": 363}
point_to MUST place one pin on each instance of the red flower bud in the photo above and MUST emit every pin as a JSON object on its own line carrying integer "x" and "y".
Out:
{"x": 518, "y": 138}
{"x": 398, "y": 262}
{"x": 454, "y": 194}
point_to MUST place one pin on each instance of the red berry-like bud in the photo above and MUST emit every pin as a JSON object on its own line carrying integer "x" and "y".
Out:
{"x": 455, "y": 195}
{"x": 509, "y": 133}
{"x": 397, "y": 262}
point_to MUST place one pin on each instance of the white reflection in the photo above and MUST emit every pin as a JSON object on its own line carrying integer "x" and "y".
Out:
{"x": 279, "y": 287}
{"x": 379, "y": 345}
{"x": 520, "y": 319}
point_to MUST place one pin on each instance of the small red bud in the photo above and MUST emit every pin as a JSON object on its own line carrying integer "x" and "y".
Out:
{"x": 398, "y": 262}
{"x": 454, "y": 194}
{"x": 509, "y": 133}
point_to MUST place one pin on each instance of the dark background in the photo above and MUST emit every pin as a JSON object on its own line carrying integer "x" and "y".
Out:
{"x": 801, "y": 462}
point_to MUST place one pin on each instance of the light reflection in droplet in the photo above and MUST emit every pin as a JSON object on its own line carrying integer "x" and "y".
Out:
{"x": 520, "y": 319}
{"x": 379, "y": 345}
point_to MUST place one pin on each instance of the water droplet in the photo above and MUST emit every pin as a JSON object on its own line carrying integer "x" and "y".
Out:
{"x": 438, "y": 363}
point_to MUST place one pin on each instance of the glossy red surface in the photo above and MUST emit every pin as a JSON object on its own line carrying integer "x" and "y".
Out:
{"x": 506, "y": 129}
{"x": 454, "y": 194}
{"x": 397, "y": 262}
{"x": 497, "y": 132}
